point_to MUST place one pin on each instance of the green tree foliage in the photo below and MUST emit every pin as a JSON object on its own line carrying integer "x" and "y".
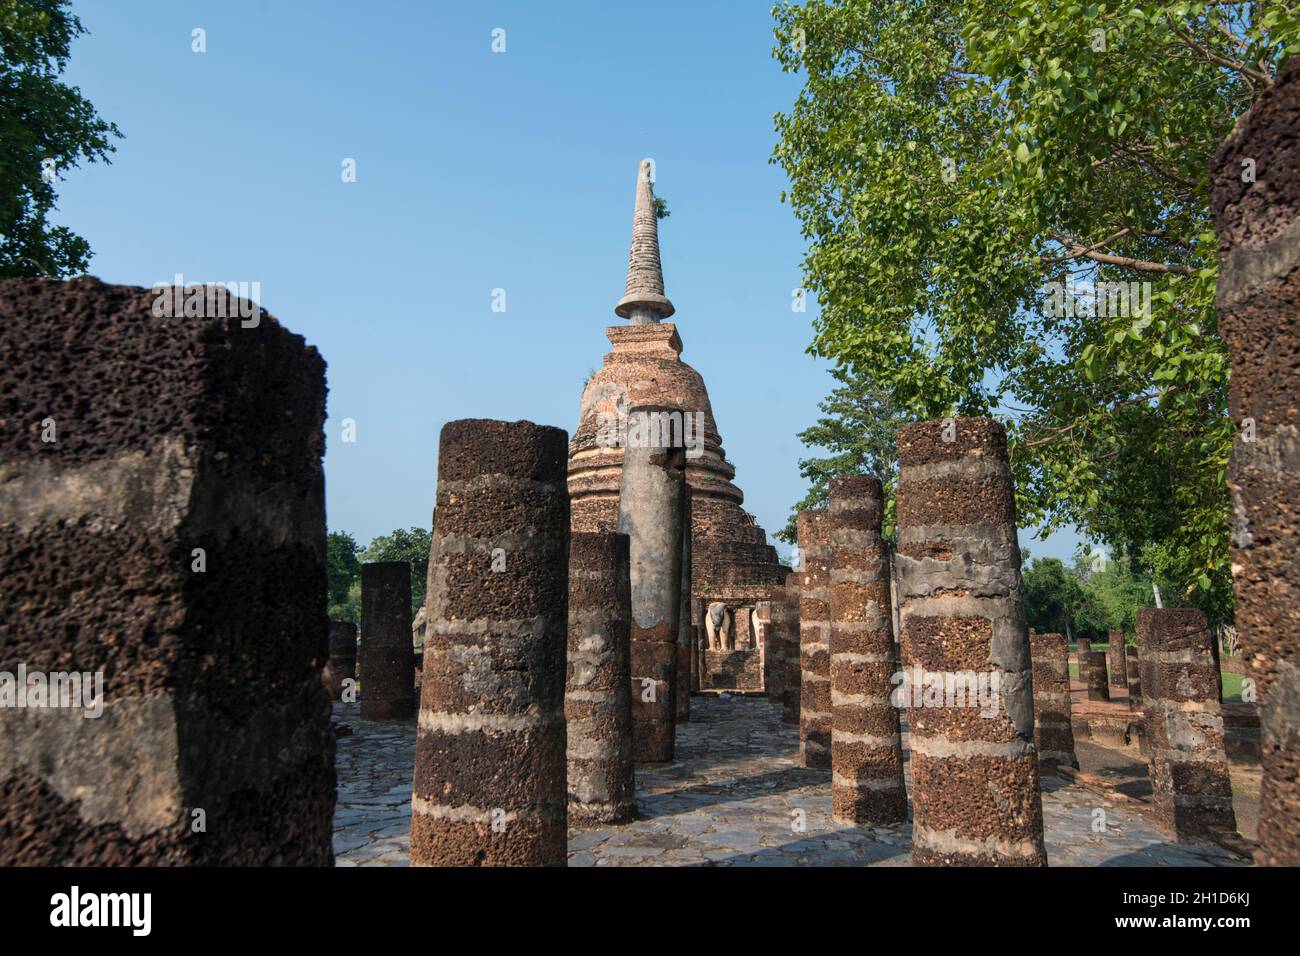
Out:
{"x": 1053, "y": 596}
{"x": 46, "y": 128}
{"x": 343, "y": 569}
{"x": 412, "y": 545}
{"x": 858, "y": 425}
{"x": 1083, "y": 600}
{"x": 955, "y": 164}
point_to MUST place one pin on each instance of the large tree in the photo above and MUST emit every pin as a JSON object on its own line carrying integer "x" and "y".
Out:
{"x": 343, "y": 570}
{"x": 858, "y": 426}
{"x": 46, "y": 128}
{"x": 959, "y": 168}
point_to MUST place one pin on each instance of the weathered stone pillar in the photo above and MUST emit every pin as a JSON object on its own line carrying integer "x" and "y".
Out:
{"x": 162, "y": 558}
{"x": 684, "y": 646}
{"x": 650, "y": 511}
{"x": 814, "y": 639}
{"x": 697, "y": 646}
{"x": 1053, "y": 732}
{"x": 598, "y": 689}
{"x": 387, "y": 654}
{"x": 343, "y": 657}
{"x": 1115, "y": 658}
{"x": 742, "y": 628}
{"x": 1132, "y": 670}
{"x": 1092, "y": 671}
{"x": 774, "y": 625}
{"x": 490, "y": 780}
{"x": 866, "y": 750}
{"x": 1255, "y": 197}
{"x": 792, "y": 684}
{"x": 1192, "y": 792}
{"x": 975, "y": 786}
{"x": 1081, "y": 646}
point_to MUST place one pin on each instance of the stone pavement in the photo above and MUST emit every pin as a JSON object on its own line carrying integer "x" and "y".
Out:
{"x": 735, "y": 796}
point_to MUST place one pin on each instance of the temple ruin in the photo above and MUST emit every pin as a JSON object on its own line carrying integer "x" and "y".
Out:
{"x": 731, "y": 562}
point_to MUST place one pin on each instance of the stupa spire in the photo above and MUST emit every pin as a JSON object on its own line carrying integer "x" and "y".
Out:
{"x": 643, "y": 300}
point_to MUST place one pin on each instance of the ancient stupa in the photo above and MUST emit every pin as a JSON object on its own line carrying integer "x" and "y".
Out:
{"x": 732, "y": 561}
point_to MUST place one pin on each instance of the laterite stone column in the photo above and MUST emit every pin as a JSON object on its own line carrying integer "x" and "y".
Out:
{"x": 814, "y": 639}
{"x": 490, "y": 781}
{"x": 1092, "y": 671}
{"x": 1191, "y": 789}
{"x": 162, "y": 557}
{"x": 1133, "y": 670}
{"x": 1116, "y": 659}
{"x": 1255, "y": 198}
{"x": 597, "y": 692}
{"x": 1053, "y": 731}
{"x": 1081, "y": 646}
{"x": 387, "y": 654}
{"x": 866, "y": 749}
{"x": 792, "y": 688}
{"x": 775, "y": 665}
{"x": 343, "y": 657}
{"x": 685, "y": 647}
{"x": 975, "y": 785}
{"x": 651, "y": 509}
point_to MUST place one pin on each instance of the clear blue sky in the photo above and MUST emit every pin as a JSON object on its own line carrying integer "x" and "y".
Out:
{"x": 475, "y": 171}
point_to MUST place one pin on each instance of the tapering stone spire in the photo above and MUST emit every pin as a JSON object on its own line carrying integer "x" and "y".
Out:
{"x": 644, "y": 301}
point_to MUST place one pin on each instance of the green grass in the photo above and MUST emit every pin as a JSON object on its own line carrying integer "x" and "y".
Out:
{"x": 1231, "y": 685}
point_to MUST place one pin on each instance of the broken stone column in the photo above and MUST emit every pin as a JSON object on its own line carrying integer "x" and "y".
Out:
{"x": 597, "y": 694}
{"x": 1092, "y": 671}
{"x": 343, "y": 657}
{"x": 1255, "y": 198}
{"x": 162, "y": 581}
{"x": 684, "y": 647}
{"x": 490, "y": 765}
{"x": 387, "y": 654}
{"x": 1132, "y": 670}
{"x": 866, "y": 750}
{"x": 650, "y": 511}
{"x": 792, "y": 684}
{"x": 813, "y": 527}
{"x": 975, "y": 785}
{"x": 1053, "y": 731}
{"x": 1115, "y": 659}
{"x": 1191, "y": 789}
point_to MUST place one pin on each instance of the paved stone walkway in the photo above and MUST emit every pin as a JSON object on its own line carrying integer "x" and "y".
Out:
{"x": 735, "y": 796}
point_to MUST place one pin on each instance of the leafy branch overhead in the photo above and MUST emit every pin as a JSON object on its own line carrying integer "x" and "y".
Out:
{"x": 976, "y": 181}
{"x": 46, "y": 129}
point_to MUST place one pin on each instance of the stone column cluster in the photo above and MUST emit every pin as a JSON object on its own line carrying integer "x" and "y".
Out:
{"x": 597, "y": 693}
{"x": 1192, "y": 792}
{"x": 387, "y": 653}
{"x": 975, "y": 783}
{"x": 1255, "y": 199}
{"x": 490, "y": 761}
{"x": 866, "y": 751}
{"x": 814, "y": 639}
{"x": 652, "y": 497}
{"x": 1053, "y": 731}
{"x": 162, "y": 556}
